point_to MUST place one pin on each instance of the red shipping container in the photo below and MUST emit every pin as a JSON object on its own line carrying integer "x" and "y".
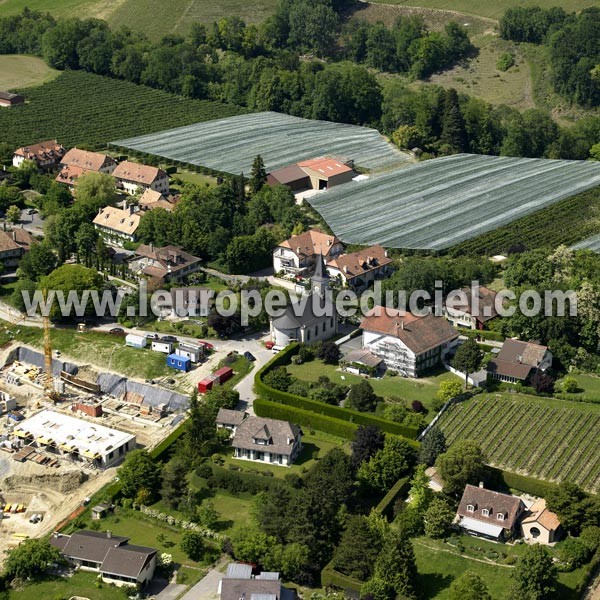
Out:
{"x": 206, "y": 384}
{"x": 92, "y": 410}
{"x": 224, "y": 374}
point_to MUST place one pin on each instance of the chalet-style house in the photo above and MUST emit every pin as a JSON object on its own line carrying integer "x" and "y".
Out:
{"x": 318, "y": 174}
{"x": 518, "y": 360}
{"x": 267, "y": 441}
{"x": 297, "y": 256}
{"x": 311, "y": 319}
{"x": 409, "y": 344}
{"x": 13, "y": 244}
{"x": 163, "y": 264}
{"x": 7, "y": 99}
{"x": 76, "y": 163}
{"x": 46, "y": 155}
{"x": 230, "y": 419}
{"x": 117, "y": 225}
{"x": 475, "y": 312}
{"x": 238, "y": 583}
{"x": 117, "y": 561}
{"x": 540, "y": 525}
{"x": 488, "y": 514}
{"x": 151, "y": 199}
{"x": 357, "y": 269}
{"x": 133, "y": 177}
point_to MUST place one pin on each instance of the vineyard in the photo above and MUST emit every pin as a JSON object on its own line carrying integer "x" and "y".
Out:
{"x": 439, "y": 203}
{"x": 546, "y": 439}
{"x": 79, "y": 108}
{"x": 565, "y": 222}
{"x": 231, "y": 144}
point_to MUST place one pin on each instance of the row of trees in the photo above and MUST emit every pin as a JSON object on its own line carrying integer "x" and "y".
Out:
{"x": 573, "y": 43}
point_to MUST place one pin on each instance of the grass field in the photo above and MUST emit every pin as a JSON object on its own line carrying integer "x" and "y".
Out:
{"x": 423, "y": 389}
{"x": 18, "y": 71}
{"x": 549, "y": 439}
{"x": 78, "y": 108}
{"x": 61, "y": 8}
{"x": 589, "y": 388}
{"x": 440, "y": 563}
{"x": 493, "y": 10}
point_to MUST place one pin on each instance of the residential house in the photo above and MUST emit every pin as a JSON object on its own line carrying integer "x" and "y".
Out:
{"x": 358, "y": 269}
{"x": 311, "y": 319}
{"x": 474, "y": 310}
{"x": 541, "y": 525}
{"x": 76, "y": 163}
{"x": 133, "y": 177}
{"x": 151, "y": 199}
{"x": 167, "y": 263}
{"x": 46, "y": 155}
{"x": 117, "y": 561}
{"x": 267, "y": 440}
{"x": 408, "y": 343}
{"x": 230, "y": 419}
{"x": 238, "y": 583}
{"x": 13, "y": 245}
{"x": 7, "y": 99}
{"x": 488, "y": 514}
{"x": 117, "y": 225}
{"x": 297, "y": 256}
{"x": 518, "y": 360}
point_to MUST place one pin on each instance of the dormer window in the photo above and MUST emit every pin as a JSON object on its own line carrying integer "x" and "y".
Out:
{"x": 500, "y": 516}
{"x": 470, "y": 508}
{"x": 485, "y": 512}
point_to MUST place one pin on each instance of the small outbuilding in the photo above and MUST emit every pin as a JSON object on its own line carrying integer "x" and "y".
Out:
{"x": 7, "y": 99}
{"x": 136, "y": 341}
{"x": 162, "y": 346}
{"x": 540, "y": 526}
{"x": 100, "y": 511}
{"x": 191, "y": 351}
{"x": 181, "y": 363}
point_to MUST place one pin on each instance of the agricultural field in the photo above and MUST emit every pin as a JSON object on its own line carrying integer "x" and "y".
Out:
{"x": 554, "y": 440}
{"x": 83, "y": 109}
{"x": 439, "y": 203}
{"x": 493, "y": 10}
{"x": 565, "y": 222}
{"x": 231, "y": 144}
{"x": 61, "y": 8}
{"x": 19, "y": 71}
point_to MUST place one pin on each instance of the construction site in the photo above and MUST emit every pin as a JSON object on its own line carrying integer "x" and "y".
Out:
{"x": 64, "y": 429}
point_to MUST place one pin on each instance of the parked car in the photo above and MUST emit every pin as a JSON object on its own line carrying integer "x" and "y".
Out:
{"x": 31, "y": 211}
{"x": 117, "y": 331}
{"x": 276, "y": 349}
{"x": 249, "y": 356}
{"x": 169, "y": 338}
{"x": 269, "y": 345}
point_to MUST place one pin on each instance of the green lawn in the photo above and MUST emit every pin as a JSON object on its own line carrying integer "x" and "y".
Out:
{"x": 423, "y": 389}
{"x": 195, "y": 178}
{"x": 440, "y": 563}
{"x": 81, "y": 583}
{"x": 18, "y": 71}
{"x": 103, "y": 350}
{"x": 589, "y": 388}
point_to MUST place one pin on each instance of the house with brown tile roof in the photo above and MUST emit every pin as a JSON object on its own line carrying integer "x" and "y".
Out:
{"x": 163, "y": 264}
{"x": 133, "y": 177}
{"x": 488, "y": 514}
{"x": 46, "y": 155}
{"x": 116, "y": 561}
{"x": 540, "y": 525}
{"x": 358, "y": 269}
{"x": 518, "y": 360}
{"x": 267, "y": 440}
{"x": 76, "y": 163}
{"x": 117, "y": 225}
{"x": 13, "y": 244}
{"x": 297, "y": 255}
{"x": 471, "y": 308}
{"x": 408, "y": 343}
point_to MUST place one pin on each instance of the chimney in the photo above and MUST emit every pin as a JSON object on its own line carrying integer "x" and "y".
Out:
{"x": 299, "y": 250}
{"x": 329, "y": 242}
{"x": 386, "y": 254}
{"x": 345, "y": 269}
{"x": 481, "y": 484}
{"x": 14, "y": 235}
{"x": 109, "y": 534}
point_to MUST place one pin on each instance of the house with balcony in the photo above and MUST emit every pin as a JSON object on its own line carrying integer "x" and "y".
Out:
{"x": 167, "y": 263}
{"x": 117, "y": 225}
{"x": 409, "y": 344}
{"x": 297, "y": 256}
{"x": 357, "y": 270}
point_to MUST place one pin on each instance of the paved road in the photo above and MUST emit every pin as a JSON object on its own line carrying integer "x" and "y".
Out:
{"x": 206, "y": 588}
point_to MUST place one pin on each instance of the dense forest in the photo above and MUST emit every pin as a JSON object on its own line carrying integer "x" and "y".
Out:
{"x": 574, "y": 44}
{"x": 310, "y": 60}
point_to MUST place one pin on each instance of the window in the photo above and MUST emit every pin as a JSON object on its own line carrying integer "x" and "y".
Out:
{"x": 485, "y": 512}
{"x": 500, "y": 517}
{"x": 324, "y": 325}
{"x": 470, "y": 508}
{"x": 316, "y": 330}
{"x": 307, "y": 335}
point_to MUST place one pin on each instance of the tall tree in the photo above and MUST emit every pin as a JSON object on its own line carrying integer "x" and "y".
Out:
{"x": 453, "y": 126}
{"x": 139, "y": 472}
{"x": 469, "y": 586}
{"x": 30, "y": 559}
{"x": 174, "y": 483}
{"x": 386, "y": 466}
{"x": 535, "y": 576}
{"x": 468, "y": 358}
{"x": 462, "y": 464}
{"x": 433, "y": 444}
{"x": 396, "y": 565}
{"x": 369, "y": 439}
{"x": 258, "y": 175}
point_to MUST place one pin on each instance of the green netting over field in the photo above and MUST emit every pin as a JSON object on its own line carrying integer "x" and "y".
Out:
{"x": 231, "y": 144}
{"x": 438, "y": 203}
{"x": 591, "y": 243}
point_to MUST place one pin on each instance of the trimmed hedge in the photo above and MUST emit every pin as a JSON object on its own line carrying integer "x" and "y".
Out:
{"x": 238, "y": 482}
{"x": 535, "y": 487}
{"x": 386, "y": 505}
{"x": 274, "y": 410}
{"x": 314, "y": 406}
{"x": 158, "y": 452}
{"x": 332, "y": 578}
{"x": 484, "y": 334}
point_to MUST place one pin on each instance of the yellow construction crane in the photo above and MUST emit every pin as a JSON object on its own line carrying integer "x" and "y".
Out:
{"x": 48, "y": 377}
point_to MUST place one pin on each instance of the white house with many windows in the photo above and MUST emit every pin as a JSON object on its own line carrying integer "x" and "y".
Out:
{"x": 408, "y": 343}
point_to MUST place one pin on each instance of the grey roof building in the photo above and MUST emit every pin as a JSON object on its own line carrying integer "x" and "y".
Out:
{"x": 238, "y": 583}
